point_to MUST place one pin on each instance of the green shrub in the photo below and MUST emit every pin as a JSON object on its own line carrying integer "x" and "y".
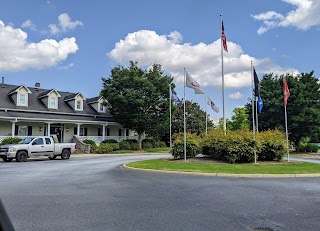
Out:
{"x": 93, "y": 145}
{"x": 115, "y": 146}
{"x": 146, "y": 145}
{"x": 10, "y": 140}
{"x": 235, "y": 147}
{"x": 124, "y": 145}
{"x": 161, "y": 144}
{"x": 134, "y": 146}
{"x": 149, "y": 141}
{"x": 104, "y": 148}
{"x": 192, "y": 146}
{"x": 111, "y": 141}
{"x": 271, "y": 145}
{"x": 308, "y": 148}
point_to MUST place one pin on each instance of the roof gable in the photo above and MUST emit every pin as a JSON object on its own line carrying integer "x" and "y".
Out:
{"x": 17, "y": 89}
{"x": 74, "y": 96}
{"x": 47, "y": 93}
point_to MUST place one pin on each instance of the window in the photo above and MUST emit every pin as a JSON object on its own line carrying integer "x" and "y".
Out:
{"x": 127, "y": 132}
{"x": 38, "y": 141}
{"x": 108, "y": 131}
{"x": 22, "y": 100}
{"x": 52, "y": 102}
{"x": 22, "y": 130}
{"x": 120, "y": 133}
{"x": 78, "y": 105}
{"x": 101, "y": 107}
{"x": 99, "y": 132}
{"x": 48, "y": 141}
{"x": 83, "y": 131}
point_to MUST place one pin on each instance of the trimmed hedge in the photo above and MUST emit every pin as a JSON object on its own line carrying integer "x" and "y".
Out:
{"x": 148, "y": 141}
{"x": 238, "y": 146}
{"x": 235, "y": 147}
{"x": 124, "y": 145}
{"x": 93, "y": 145}
{"x": 111, "y": 141}
{"x": 271, "y": 145}
{"x": 10, "y": 140}
{"x": 193, "y": 146}
{"x": 308, "y": 148}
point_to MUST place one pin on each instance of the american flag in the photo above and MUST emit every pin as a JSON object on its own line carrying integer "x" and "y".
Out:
{"x": 286, "y": 92}
{"x": 224, "y": 39}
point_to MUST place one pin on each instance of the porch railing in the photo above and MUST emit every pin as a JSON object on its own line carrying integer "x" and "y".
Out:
{"x": 99, "y": 139}
{"x": 5, "y": 137}
{"x": 80, "y": 145}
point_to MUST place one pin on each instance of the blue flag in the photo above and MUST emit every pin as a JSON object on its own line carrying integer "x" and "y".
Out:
{"x": 260, "y": 104}
{"x": 175, "y": 98}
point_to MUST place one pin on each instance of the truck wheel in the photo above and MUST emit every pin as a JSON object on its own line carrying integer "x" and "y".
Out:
{"x": 52, "y": 158}
{"x": 21, "y": 156}
{"x": 65, "y": 155}
{"x": 5, "y": 159}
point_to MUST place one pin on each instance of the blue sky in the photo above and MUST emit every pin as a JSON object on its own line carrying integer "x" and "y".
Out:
{"x": 70, "y": 45}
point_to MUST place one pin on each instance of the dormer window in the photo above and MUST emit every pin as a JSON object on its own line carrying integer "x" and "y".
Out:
{"x": 53, "y": 102}
{"x": 22, "y": 100}
{"x": 78, "y": 105}
{"x": 101, "y": 107}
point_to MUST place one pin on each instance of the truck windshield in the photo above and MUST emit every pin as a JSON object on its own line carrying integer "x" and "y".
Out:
{"x": 26, "y": 140}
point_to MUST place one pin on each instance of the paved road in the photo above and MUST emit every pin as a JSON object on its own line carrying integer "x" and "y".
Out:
{"x": 310, "y": 160}
{"x": 98, "y": 194}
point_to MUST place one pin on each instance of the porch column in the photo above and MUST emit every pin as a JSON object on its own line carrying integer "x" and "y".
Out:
{"x": 78, "y": 130}
{"x": 13, "y": 128}
{"x": 48, "y": 129}
{"x": 103, "y": 131}
{"x": 125, "y": 133}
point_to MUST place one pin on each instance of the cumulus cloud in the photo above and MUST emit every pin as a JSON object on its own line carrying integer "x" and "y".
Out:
{"x": 17, "y": 54}
{"x": 305, "y": 15}
{"x": 28, "y": 24}
{"x": 65, "y": 24}
{"x": 236, "y": 95}
{"x": 201, "y": 60}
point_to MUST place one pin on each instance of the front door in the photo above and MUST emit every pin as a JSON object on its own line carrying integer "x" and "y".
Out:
{"x": 56, "y": 129}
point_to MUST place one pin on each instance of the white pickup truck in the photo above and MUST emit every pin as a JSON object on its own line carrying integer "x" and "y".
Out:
{"x": 34, "y": 147}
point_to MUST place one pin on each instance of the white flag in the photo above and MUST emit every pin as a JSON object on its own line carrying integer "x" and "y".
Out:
{"x": 193, "y": 84}
{"x": 213, "y": 106}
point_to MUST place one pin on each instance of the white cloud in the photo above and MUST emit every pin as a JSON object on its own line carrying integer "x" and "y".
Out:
{"x": 28, "y": 24}
{"x": 17, "y": 54}
{"x": 65, "y": 24}
{"x": 66, "y": 67}
{"x": 236, "y": 95}
{"x": 201, "y": 60}
{"x": 305, "y": 15}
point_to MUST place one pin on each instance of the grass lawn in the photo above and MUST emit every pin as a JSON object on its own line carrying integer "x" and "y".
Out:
{"x": 260, "y": 168}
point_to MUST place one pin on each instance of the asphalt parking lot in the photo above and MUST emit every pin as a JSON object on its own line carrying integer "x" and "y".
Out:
{"x": 98, "y": 194}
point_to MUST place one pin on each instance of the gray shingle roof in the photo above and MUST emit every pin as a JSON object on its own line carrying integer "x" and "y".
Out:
{"x": 93, "y": 100}
{"x": 35, "y": 104}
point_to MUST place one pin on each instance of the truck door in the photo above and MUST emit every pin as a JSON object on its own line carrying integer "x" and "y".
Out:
{"x": 49, "y": 147}
{"x": 37, "y": 147}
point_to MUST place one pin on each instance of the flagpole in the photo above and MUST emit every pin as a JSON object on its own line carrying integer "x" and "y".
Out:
{"x": 170, "y": 96}
{"x": 286, "y": 124}
{"x": 205, "y": 104}
{"x": 223, "y": 107}
{"x": 184, "y": 118}
{"x": 257, "y": 127}
{"x": 252, "y": 105}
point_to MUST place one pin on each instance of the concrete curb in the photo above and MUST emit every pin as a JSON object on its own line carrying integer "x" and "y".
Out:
{"x": 228, "y": 174}
{"x": 122, "y": 154}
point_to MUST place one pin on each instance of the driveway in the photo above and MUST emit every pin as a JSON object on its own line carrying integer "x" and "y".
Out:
{"x": 98, "y": 194}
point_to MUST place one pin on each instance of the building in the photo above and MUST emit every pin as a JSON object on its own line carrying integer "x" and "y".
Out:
{"x": 32, "y": 111}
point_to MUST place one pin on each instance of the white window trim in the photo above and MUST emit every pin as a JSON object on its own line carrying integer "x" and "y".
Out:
{"x": 81, "y": 105}
{"x": 103, "y": 108}
{"x": 55, "y": 102}
{"x": 25, "y": 99}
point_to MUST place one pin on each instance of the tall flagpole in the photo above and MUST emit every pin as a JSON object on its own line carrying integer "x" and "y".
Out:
{"x": 184, "y": 118}
{"x": 286, "y": 124}
{"x": 223, "y": 107}
{"x": 205, "y": 104}
{"x": 257, "y": 127}
{"x": 252, "y": 105}
{"x": 170, "y": 96}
